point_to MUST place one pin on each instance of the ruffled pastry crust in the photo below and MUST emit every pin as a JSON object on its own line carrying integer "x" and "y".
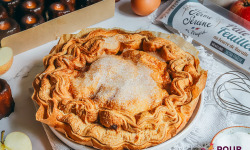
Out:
{"x": 71, "y": 100}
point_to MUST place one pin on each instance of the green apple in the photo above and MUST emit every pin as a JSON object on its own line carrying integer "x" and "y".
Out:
{"x": 16, "y": 141}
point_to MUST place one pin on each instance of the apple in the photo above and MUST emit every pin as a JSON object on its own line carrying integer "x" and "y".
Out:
{"x": 242, "y": 9}
{"x": 15, "y": 141}
{"x": 6, "y": 59}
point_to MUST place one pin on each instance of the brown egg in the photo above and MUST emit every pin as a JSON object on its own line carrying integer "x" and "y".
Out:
{"x": 144, "y": 7}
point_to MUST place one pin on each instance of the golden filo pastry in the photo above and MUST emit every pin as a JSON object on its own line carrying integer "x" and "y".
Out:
{"x": 114, "y": 89}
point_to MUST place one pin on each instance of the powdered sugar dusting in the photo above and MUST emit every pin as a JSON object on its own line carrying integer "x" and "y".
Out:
{"x": 116, "y": 79}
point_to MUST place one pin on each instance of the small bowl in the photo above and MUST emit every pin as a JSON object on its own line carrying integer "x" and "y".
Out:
{"x": 230, "y": 131}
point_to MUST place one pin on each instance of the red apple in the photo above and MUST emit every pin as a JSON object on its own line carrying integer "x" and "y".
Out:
{"x": 242, "y": 9}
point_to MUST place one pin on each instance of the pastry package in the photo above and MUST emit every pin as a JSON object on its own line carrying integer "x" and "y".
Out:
{"x": 214, "y": 31}
{"x": 115, "y": 89}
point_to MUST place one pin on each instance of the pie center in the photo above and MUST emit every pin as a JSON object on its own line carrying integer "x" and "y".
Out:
{"x": 114, "y": 82}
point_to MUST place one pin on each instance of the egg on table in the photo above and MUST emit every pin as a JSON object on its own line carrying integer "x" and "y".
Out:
{"x": 144, "y": 7}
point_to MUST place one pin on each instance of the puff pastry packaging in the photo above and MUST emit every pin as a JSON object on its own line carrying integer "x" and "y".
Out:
{"x": 115, "y": 89}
